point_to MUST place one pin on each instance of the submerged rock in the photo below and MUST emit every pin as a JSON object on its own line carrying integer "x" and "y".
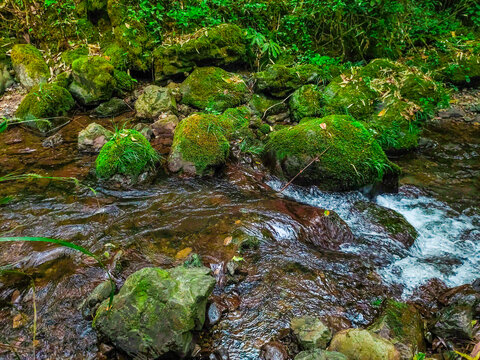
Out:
{"x": 339, "y": 152}
{"x": 221, "y": 45}
{"x": 44, "y": 106}
{"x": 154, "y": 101}
{"x": 318, "y": 354}
{"x": 93, "y": 137}
{"x": 213, "y": 89}
{"x": 273, "y": 350}
{"x": 402, "y": 324}
{"x": 156, "y": 311}
{"x": 311, "y": 333}
{"x": 29, "y": 65}
{"x": 111, "y": 108}
{"x": 359, "y": 344}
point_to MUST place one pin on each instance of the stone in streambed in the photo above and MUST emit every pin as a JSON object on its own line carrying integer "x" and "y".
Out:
{"x": 111, "y": 108}
{"x": 318, "y": 354}
{"x": 311, "y": 332}
{"x": 154, "y": 101}
{"x": 93, "y": 137}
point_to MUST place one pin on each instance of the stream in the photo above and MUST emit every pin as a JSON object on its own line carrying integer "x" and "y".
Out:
{"x": 308, "y": 262}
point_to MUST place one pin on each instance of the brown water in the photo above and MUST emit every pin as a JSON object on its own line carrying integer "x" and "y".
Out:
{"x": 302, "y": 265}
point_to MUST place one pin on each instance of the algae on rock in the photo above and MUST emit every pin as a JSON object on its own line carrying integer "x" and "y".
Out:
{"x": 29, "y": 65}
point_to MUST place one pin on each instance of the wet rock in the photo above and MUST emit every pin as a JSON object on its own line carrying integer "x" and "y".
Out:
{"x": 214, "y": 313}
{"x": 264, "y": 106}
{"x": 111, "y": 108}
{"x": 221, "y": 45}
{"x": 335, "y": 153}
{"x": 306, "y": 101}
{"x": 6, "y": 79}
{"x": 145, "y": 130}
{"x": 93, "y": 80}
{"x": 102, "y": 292}
{"x": 453, "y": 112}
{"x": 393, "y": 223}
{"x": 156, "y": 311}
{"x": 53, "y": 141}
{"x": 214, "y": 89}
{"x": 278, "y": 118}
{"x": 311, "y": 333}
{"x": 93, "y": 137}
{"x": 402, "y": 324}
{"x": 359, "y": 344}
{"x": 163, "y": 132}
{"x": 273, "y": 350}
{"x": 154, "y": 101}
{"x": 29, "y": 65}
{"x": 318, "y": 354}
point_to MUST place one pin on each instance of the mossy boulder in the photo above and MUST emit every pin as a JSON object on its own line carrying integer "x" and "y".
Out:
{"x": 154, "y": 101}
{"x": 29, "y": 65}
{"x": 124, "y": 82}
{"x": 348, "y": 155}
{"x": 111, "y": 108}
{"x": 156, "y": 311}
{"x": 221, "y": 45}
{"x": 262, "y": 105}
{"x": 214, "y": 89}
{"x": 359, "y": 344}
{"x": 401, "y": 324}
{"x": 44, "y": 106}
{"x": 418, "y": 87}
{"x": 306, "y": 101}
{"x": 128, "y": 154}
{"x": 64, "y": 79}
{"x": 380, "y": 68}
{"x": 311, "y": 332}
{"x": 281, "y": 80}
{"x": 462, "y": 68}
{"x": 199, "y": 145}
{"x": 93, "y": 80}
{"x": 70, "y": 55}
{"x": 318, "y": 354}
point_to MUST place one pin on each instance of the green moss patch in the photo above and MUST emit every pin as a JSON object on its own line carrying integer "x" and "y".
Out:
{"x": 29, "y": 65}
{"x": 306, "y": 101}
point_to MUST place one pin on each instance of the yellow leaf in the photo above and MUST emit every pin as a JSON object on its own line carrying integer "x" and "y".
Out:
{"x": 227, "y": 240}
{"x": 326, "y": 213}
{"x": 238, "y": 222}
{"x": 182, "y": 254}
{"x": 453, "y": 34}
{"x": 323, "y": 126}
{"x": 381, "y": 113}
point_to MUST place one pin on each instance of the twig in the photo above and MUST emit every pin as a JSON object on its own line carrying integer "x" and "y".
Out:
{"x": 316, "y": 158}
{"x": 281, "y": 102}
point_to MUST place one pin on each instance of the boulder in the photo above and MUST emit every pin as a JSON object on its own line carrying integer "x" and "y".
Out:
{"x": 44, "y": 106}
{"x": 29, "y": 65}
{"x": 102, "y": 292}
{"x": 124, "y": 82}
{"x": 335, "y": 153}
{"x": 111, "y": 108}
{"x": 163, "y": 130}
{"x": 6, "y": 79}
{"x": 318, "y": 354}
{"x": 357, "y": 344}
{"x": 213, "y": 89}
{"x": 264, "y": 106}
{"x": 156, "y": 311}
{"x": 402, "y": 324}
{"x": 93, "y": 80}
{"x": 461, "y": 68}
{"x": 306, "y": 101}
{"x": 311, "y": 332}
{"x": 93, "y": 137}
{"x": 221, "y": 45}
{"x": 154, "y": 101}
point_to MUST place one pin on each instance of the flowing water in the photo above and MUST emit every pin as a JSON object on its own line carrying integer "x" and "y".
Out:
{"x": 307, "y": 261}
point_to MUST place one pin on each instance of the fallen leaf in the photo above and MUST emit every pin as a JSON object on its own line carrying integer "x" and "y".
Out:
{"x": 382, "y": 112}
{"x": 326, "y": 213}
{"x": 182, "y": 254}
{"x": 19, "y": 320}
{"x": 238, "y": 222}
{"x": 323, "y": 126}
{"x": 227, "y": 240}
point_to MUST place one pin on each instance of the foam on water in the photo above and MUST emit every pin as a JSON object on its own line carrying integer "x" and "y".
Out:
{"x": 447, "y": 247}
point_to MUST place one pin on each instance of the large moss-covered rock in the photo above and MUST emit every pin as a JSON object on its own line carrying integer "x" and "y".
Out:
{"x": 128, "y": 153}
{"x": 359, "y": 344}
{"x": 214, "y": 89}
{"x": 402, "y": 324}
{"x": 44, "y": 106}
{"x": 154, "y": 101}
{"x": 199, "y": 145}
{"x": 93, "y": 80}
{"x": 5, "y": 78}
{"x": 306, "y": 101}
{"x": 348, "y": 156}
{"x": 263, "y": 106}
{"x": 462, "y": 68}
{"x": 311, "y": 332}
{"x": 318, "y": 354}
{"x": 280, "y": 80}
{"x": 30, "y": 67}
{"x": 156, "y": 311}
{"x": 221, "y": 45}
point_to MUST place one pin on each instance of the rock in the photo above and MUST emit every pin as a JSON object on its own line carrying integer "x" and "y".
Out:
{"x": 393, "y": 223}
{"x": 154, "y": 101}
{"x": 214, "y": 314}
{"x": 96, "y": 297}
{"x": 306, "y": 101}
{"x": 53, "y": 141}
{"x": 402, "y": 324}
{"x": 124, "y": 82}
{"x": 64, "y": 79}
{"x": 163, "y": 132}
{"x": 318, "y": 354}
{"x": 273, "y": 350}
{"x": 45, "y": 101}
{"x": 29, "y": 65}
{"x": 6, "y": 79}
{"x": 348, "y": 156}
{"x": 280, "y": 80}
{"x": 264, "y": 106}
{"x": 128, "y": 153}
{"x": 93, "y": 80}
{"x": 145, "y": 130}
{"x": 111, "y": 108}
{"x": 156, "y": 311}
{"x": 93, "y": 137}
{"x": 453, "y": 112}
{"x": 359, "y": 344}
{"x": 213, "y": 89}
{"x": 311, "y": 333}
{"x": 461, "y": 70}
{"x": 221, "y": 45}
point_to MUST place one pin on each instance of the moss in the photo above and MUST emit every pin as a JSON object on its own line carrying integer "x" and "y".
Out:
{"x": 63, "y": 79}
{"x": 69, "y": 56}
{"x": 349, "y": 157}
{"x": 117, "y": 55}
{"x": 125, "y": 83}
{"x": 234, "y": 120}
{"x": 380, "y": 68}
{"x": 29, "y": 63}
{"x": 128, "y": 153}
{"x": 264, "y": 106}
{"x": 265, "y": 129}
{"x": 214, "y": 89}
{"x": 201, "y": 140}
{"x": 417, "y": 86}
{"x": 44, "y": 101}
{"x": 306, "y": 101}
{"x": 463, "y": 69}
